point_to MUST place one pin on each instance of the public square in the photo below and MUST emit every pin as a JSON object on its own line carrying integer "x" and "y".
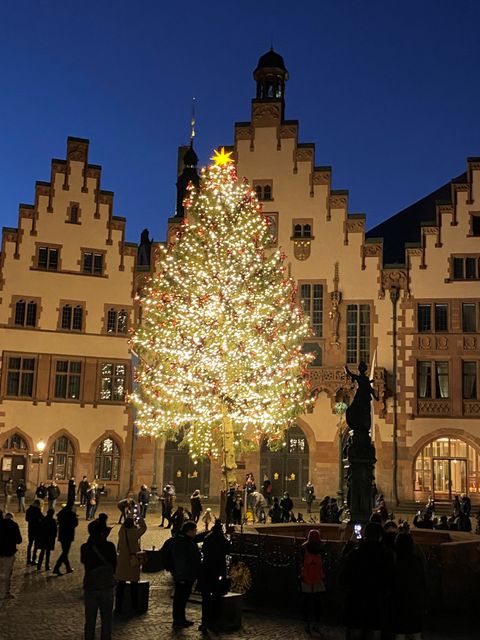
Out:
{"x": 48, "y": 607}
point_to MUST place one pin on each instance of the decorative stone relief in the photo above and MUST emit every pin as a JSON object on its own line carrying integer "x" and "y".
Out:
{"x": 244, "y": 133}
{"x": 266, "y": 113}
{"x": 304, "y": 155}
{"x": 321, "y": 177}
{"x": 431, "y": 407}
{"x": 355, "y": 225}
{"x": 288, "y": 131}
{"x": 441, "y": 342}
{"x": 338, "y": 202}
{"x": 471, "y": 407}
{"x": 470, "y": 343}
{"x": 77, "y": 151}
{"x": 425, "y": 342}
{"x": 301, "y": 249}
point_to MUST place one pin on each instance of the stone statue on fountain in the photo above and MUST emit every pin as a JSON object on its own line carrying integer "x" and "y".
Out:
{"x": 361, "y": 451}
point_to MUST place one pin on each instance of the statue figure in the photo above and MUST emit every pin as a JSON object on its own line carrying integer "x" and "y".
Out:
{"x": 334, "y": 323}
{"x": 358, "y": 414}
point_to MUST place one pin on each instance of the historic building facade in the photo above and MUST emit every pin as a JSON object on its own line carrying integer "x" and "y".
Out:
{"x": 404, "y": 297}
{"x": 66, "y": 280}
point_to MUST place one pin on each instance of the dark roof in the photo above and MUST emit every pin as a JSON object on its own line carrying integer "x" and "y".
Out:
{"x": 405, "y": 226}
{"x": 269, "y": 60}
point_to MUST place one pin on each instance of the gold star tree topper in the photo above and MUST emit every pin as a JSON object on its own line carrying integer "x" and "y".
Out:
{"x": 222, "y": 157}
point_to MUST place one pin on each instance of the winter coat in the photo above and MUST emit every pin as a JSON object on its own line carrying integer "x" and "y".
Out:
{"x": 47, "y": 534}
{"x": 186, "y": 558}
{"x": 21, "y": 490}
{"x": 196, "y": 506}
{"x": 409, "y": 593}
{"x": 72, "y": 490}
{"x": 213, "y": 570}
{"x": 52, "y": 492}
{"x": 34, "y": 518}
{"x": 367, "y": 574}
{"x": 143, "y": 496}
{"x": 83, "y": 487}
{"x": 41, "y": 492}
{"x": 128, "y": 565}
{"x": 67, "y": 522}
{"x": 9, "y": 538}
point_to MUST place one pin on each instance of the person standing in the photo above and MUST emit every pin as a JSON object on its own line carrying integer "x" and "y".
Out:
{"x": 83, "y": 486}
{"x": 168, "y": 497}
{"x": 275, "y": 512}
{"x": 126, "y": 507}
{"x": 237, "y": 510}
{"x": 47, "y": 537}
{"x": 286, "y": 505}
{"x": 67, "y": 523}
{"x": 21, "y": 491}
{"x": 72, "y": 490}
{"x": 128, "y": 563}
{"x": 196, "y": 505}
{"x": 92, "y": 497}
{"x": 52, "y": 494}
{"x": 99, "y": 558}
{"x": 34, "y": 518}
{"x": 9, "y": 538}
{"x": 186, "y": 562}
{"x": 7, "y": 492}
{"x": 408, "y": 602}
{"x": 143, "y": 500}
{"x": 41, "y": 494}
{"x": 259, "y": 506}
{"x": 267, "y": 489}
{"x": 212, "y": 581}
{"x": 312, "y": 576}
{"x": 309, "y": 496}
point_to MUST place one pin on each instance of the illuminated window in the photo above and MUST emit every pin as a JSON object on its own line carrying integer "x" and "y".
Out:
{"x": 15, "y": 442}
{"x": 113, "y": 382}
{"x": 117, "y": 321}
{"x": 107, "y": 460}
{"x": 432, "y": 379}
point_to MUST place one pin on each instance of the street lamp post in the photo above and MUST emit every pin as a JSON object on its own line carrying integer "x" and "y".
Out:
{"x": 340, "y": 408}
{"x": 40, "y": 449}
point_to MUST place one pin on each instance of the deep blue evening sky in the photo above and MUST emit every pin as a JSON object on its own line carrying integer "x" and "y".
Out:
{"x": 389, "y": 92}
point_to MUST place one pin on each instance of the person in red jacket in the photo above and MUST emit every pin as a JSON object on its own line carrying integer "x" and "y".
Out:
{"x": 312, "y": 576}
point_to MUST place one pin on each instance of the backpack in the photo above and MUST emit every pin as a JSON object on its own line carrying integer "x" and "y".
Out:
{"x": 166, "y": 554}
{"x": 312, "y": 570}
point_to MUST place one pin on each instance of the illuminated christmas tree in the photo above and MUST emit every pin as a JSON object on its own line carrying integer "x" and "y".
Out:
{"x": 219, "y": 346}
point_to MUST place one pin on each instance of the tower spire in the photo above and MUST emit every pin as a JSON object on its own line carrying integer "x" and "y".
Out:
{"x": 193, "y": 122}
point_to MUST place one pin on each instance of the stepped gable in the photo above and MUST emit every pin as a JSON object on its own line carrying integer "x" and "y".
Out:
{"x": 405, "y": 227}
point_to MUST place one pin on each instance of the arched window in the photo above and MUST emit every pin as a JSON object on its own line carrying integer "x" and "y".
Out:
{"x": 117, "y": 321}
{"x": 288, "y": 467}
{"x": 15, "y": 442}
{"x": 61, "y": 459}
{"x": 259, "y": 191}
{"x": 307, "y": 231}
{"x": 297, "y": 231}
{"x": 446, "y": 467}
{"x": 267, "y": 192}
{"x": 107, "y": 460}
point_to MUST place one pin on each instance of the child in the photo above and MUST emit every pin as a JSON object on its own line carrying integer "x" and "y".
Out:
{"x": 207, "y": 518}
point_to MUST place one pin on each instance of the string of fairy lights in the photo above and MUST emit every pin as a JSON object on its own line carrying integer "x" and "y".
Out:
{"x": 221, "y": 329}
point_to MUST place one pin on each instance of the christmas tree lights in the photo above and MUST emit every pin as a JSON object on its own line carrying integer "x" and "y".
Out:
{"x": 219, "y": 346}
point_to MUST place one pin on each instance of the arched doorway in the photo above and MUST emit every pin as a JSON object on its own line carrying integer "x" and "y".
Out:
{"x": 14, "y": 459}
{"x": 287, "y": 469}
{"x": 185, "y": 474}
{"x": 446, "y": 467}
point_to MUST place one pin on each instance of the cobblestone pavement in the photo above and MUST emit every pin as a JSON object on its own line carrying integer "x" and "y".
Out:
{"x": 47, "y": 607}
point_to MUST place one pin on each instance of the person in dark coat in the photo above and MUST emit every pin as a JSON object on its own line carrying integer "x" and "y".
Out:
{"x": 367, "y": 575}
{"x": 196, "y": 505}
{"x": 168, "y": 500}
{"x": 67, "y": 523}
{"x": 99, "y": 558}
{"x": 186, "y": 562}
{"x": 456, "y": 507}
{"x": 34, "y": 518}
{"x": 213, "y": 582}
{"x": 325, "y": 509}
{"x": 465, "y": 505}
{"x": 53, "y": 492}
{"x": 267, "y": 490}
{"x": 41, "y": 494}
{"x": 82, "y": 491}
{"x": 229, "y": 506}
{"x": 286, "y": 505}
{"x": 178, "y": 519}
{"x": 9, "y": 538}
{"x": 275, "y": 512}
{"x": 72, "y": 490}
{"x": 21, "y": 491}
{"x": 410, "y": 587}
{"x": 143, "y": 500}
{"x": 309, "y": 496}
{"x": 46, "y": 539}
